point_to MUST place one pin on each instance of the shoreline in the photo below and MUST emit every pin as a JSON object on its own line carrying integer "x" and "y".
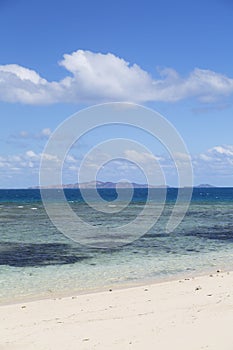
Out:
{"x": 191, "y": 274}
{"x": 190, "y": 313}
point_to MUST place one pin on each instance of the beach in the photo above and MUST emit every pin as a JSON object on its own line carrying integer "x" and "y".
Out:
{"x": 163, "y": 291}
{"x": 190, "y": 313}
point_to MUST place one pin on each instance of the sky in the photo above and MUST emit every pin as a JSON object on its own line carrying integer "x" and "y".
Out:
{"x": 57, "y": 58}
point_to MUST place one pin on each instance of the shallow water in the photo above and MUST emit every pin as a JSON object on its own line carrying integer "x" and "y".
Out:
{"x": 37, "y": 260}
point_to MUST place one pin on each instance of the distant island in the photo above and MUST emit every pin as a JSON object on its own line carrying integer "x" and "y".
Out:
{"x": 110, "y": 185}
{"x": 100, "y": 184}
{"x": 204, "y": 186}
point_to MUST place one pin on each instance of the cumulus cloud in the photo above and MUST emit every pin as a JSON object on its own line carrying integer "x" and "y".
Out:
{"x": 97, "y": 77}
{"x": 19, "y": 84}
{"x": 31, "y": 154}
{"x": 142, "y": 157}
{"x": 214, "y": 163}
{"x": 22, "y": 73}
{"x": 31, "y": 160}
{"x": 222, "y": 150}
{"x": 20, "y": 162}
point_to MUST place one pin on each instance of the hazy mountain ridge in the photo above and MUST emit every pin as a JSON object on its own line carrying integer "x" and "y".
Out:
{"x": 101, "y": 184}
{"x": 109, "y": 184}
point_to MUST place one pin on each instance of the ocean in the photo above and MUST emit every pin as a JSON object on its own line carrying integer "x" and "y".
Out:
{"x": 36, "y": 260}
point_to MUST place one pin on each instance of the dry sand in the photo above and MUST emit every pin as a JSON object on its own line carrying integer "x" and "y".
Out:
{"x": 189, "y": 314}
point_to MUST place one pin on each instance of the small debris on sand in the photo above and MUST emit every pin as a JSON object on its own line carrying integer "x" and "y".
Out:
{"x": 198, "y": 288}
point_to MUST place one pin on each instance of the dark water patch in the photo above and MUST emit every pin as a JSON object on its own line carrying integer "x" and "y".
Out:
{"x": 38, "y": 254}
{"x": 20, "y": 195}
{"x": 156, "y": 235}
{"x": 221, "y": 233}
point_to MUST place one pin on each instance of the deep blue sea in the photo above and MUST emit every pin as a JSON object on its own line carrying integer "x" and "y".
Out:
{"x": 37, "y": 260}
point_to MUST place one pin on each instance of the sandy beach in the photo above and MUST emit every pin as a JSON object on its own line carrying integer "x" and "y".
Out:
{"x": 192, "y": 313}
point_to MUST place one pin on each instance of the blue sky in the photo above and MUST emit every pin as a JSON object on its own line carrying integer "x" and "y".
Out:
{"x": 59, "y": 57}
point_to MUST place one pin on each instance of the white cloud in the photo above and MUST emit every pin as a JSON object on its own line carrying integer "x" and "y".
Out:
{"x": 31, "y": 154}
{"x": 205, "y": 157}
{"x": 22, "y": 73}
{"x": 215, "y": 162}
{"x": 50, "y": 157}
{"x": 142, "y": 157}
{"x": 226, "y": 150}
{"x": 70, "y": 159}
{"x": 97, "y": 77}
{"x": 46, "y": 132}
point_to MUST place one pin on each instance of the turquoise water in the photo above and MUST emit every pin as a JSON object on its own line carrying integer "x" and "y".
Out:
{"x": 37, "y": 260}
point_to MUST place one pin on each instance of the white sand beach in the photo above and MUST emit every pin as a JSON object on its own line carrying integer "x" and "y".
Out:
{"x": 187, "y": 314}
